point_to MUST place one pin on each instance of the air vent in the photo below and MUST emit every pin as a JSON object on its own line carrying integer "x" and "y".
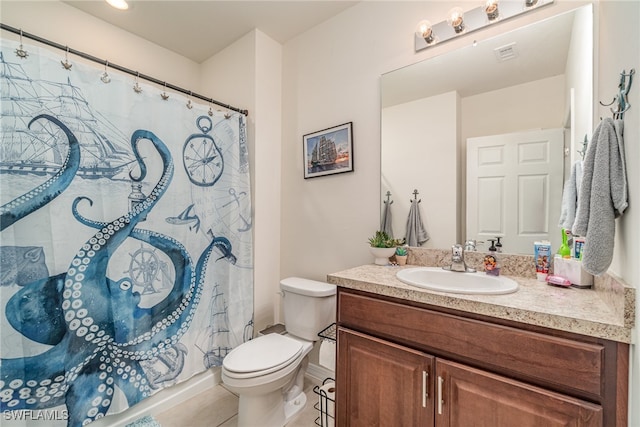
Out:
{"x": 506, "y": 52}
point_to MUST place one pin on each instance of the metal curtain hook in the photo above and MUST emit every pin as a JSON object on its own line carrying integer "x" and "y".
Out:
{"x": 136, "y": 86}
{"x": 22, "y": 54}
{"x": 66, "y": 64}
{"x": 105, "y": 76}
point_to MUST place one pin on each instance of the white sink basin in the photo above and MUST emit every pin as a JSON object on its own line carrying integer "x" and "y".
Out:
{"x": 437, "y": 279}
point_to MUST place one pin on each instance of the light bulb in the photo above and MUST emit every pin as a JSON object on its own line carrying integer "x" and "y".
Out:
{"x": 425, "y": 30}
{"x": 491, "y": 9}
{"x": 456, "y": 19}
{"x": 119, "y": 4}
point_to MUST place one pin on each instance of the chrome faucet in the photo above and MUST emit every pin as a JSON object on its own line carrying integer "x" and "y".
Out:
{"x": 457, "y": 261}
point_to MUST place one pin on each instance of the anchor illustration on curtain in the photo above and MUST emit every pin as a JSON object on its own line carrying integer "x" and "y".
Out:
{"x": 125, "y": 225}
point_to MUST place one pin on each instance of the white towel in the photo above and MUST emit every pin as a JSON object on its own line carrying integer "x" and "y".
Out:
{"x": 602, "y": 196}
{"x": 570, "y": 197}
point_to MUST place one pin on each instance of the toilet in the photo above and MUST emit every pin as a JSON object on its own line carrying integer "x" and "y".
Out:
{"x": 267, "y": 373}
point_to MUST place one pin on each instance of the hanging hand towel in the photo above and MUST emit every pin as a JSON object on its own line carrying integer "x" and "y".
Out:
{"x": 570, "y": 197}
{"x": 416, "y": 234}
{"x": 385, "y": 225}
{"x": 602, "y": 196}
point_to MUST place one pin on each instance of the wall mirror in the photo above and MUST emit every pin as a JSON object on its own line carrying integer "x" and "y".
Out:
{"x": 536, "y": 78}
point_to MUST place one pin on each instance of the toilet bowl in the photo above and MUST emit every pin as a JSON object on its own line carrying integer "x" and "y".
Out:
{"x": 267, "y": 373}
{"x": 271, "y": 386}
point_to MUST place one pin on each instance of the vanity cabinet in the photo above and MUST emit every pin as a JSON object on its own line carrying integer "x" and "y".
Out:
{"x": 403, "y": 363}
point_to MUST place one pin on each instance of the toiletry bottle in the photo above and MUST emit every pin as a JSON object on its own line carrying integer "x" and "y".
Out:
{"x": 542, "y": 259}
{"x": 565, "y": 251}
{"x": 491, "y": 265}
{"x": 498, "y": 245}
{"x": 578, "y": 247}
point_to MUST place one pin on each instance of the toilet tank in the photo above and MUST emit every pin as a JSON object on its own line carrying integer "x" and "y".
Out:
{"x": 309, "y": 306}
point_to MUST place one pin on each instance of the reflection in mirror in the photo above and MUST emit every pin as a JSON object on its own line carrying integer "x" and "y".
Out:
{"x": 435, "y": 112}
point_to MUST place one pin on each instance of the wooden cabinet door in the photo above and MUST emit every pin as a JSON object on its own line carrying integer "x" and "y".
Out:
{"x": 468, "y": 397}
{"x": 382, "y": 384}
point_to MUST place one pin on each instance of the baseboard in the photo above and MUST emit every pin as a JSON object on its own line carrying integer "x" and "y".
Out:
{"x": 319, "y": 373}
{"x": 164, "y": 399}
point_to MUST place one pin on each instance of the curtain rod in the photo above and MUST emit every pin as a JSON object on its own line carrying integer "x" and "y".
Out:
{"x": 118, "y": 67}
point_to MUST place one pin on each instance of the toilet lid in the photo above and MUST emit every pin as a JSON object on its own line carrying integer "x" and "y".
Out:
{"x": 265, "y": 353}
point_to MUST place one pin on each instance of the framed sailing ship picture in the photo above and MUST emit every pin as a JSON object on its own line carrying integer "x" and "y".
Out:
{"x": 328, "y": 151}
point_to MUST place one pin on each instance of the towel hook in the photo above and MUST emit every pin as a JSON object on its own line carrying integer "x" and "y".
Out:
{"x": 621, "y": 99}
{"x": 388, "y": 201}
{"x": 583, "y": 150}
{"x": 415, "y": 196}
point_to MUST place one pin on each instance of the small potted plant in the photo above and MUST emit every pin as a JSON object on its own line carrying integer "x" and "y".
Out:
{"x": 401, "y": 255}
{"x": 382, "y": 247}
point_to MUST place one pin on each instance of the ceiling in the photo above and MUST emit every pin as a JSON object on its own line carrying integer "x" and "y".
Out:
{"x": 199, "y": 29}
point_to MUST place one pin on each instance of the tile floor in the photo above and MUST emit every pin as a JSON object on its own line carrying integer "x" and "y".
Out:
{"x": 218, "y": 407}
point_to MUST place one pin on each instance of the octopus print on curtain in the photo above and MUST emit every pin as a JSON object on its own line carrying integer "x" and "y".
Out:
{"x": 125, "y": 237}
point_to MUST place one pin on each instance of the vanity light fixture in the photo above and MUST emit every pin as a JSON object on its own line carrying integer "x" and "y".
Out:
{"x": 491, "y": 9}
{"x": 459, "y": 22}
{"x": 455, "y": 18}
{"x": 119, "y": 4}
{"x": 425, "y": 31}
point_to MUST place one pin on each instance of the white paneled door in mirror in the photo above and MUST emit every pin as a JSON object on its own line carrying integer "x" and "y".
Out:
{"x": 522, "y": 171}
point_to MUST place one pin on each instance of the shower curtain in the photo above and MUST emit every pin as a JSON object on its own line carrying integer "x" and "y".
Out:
{"x": 125, "y": 238}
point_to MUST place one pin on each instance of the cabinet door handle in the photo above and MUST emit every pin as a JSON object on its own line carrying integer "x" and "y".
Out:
{"x": 440, "y": 397}
{"x": 425, "y": 388}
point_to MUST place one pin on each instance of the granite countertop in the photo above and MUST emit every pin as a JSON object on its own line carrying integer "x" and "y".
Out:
{"x": 582, "y": 311}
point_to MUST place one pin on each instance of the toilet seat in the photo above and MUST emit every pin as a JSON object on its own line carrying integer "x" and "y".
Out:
{"x": 262, "y": 356}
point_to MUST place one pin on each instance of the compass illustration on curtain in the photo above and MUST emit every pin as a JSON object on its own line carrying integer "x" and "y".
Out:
{"x": 201, "y": 156}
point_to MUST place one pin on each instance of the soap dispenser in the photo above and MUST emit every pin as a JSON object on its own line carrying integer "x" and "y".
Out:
{"x": 498, "y": 244}
{"x": 491, "y": 264}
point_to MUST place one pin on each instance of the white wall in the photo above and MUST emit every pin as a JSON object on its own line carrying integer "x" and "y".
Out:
{"x": 619, "y": 49}
{"x": 579, "y": 76}
{"x": 268, "y": 119}
{"x": 429, "y": 127}
{"x": 540, "y": 105}
{"x": 248, "y": 74}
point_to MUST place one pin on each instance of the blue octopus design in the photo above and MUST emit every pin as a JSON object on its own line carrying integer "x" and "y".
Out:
{"x": 98, "y": 332}
{"x": 28, "y": 203}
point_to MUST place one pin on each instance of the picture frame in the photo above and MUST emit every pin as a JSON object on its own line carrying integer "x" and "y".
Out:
{"x": 328, "y": 151}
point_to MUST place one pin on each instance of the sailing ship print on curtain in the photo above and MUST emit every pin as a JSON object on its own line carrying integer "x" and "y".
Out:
{"x": 126, "y": 243}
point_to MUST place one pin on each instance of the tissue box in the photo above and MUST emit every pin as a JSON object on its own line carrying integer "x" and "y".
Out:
{"x": 571, "y": 269}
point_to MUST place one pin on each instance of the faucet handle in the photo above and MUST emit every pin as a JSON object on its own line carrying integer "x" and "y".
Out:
{"x": 457, "y": 252}
{"x": 470, "y": 245}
